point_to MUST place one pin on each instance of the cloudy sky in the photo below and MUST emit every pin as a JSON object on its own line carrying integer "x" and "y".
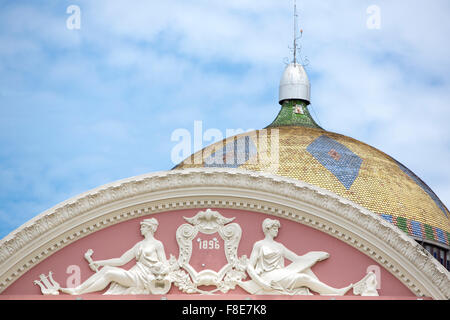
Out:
{"x": 81, "y": 107}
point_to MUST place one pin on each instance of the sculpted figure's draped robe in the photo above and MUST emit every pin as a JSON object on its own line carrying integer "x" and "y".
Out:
{"x": 142, "y": 273}
{"x": 270, "y": 267}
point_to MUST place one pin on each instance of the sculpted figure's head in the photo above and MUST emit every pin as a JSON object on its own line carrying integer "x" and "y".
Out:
{"x": 271, "y": 226}
{"x": 149, "y": 225}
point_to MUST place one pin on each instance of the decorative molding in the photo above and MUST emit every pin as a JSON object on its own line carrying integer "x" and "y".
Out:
{"x": 367, "y": 287}
{"x": 223, "y": 188}
{"x": 47, "y": 285}
{"x": 209, "y": 222}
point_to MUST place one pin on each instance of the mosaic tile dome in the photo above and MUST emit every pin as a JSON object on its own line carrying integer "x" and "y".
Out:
{"x": 296, "y": 147}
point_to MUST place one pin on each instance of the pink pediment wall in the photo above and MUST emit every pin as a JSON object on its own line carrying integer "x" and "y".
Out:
{"x": 345, "y": 265}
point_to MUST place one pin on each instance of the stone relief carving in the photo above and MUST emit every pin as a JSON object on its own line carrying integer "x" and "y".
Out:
{"x": 423, "y": 275}
{"x": 270, "y": 276}
{"x": 367, "y": 287}
{"x": 148, "y": 276}
{"x": 209, "y": 222}
{"x": 154, "y": 274}
{"x": 48, "y": 285}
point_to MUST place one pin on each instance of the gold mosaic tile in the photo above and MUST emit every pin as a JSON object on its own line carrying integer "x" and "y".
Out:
{"x": 380, "y": 185}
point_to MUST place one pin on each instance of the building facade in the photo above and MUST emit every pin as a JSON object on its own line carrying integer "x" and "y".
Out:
{"x": 289, "y": 210}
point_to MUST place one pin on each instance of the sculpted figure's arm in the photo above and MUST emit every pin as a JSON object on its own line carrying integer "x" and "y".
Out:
{"x": 162, "y": 257}
{"x": 116, "y": 262}
{"x": 288, "y": 254}
{"x": 319, "y": 255}
{"x": 161, "y": 253}
{"x": 251, "y": 268}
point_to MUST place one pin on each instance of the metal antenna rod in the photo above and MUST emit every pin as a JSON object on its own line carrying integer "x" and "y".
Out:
{"x": 295, "y": 31}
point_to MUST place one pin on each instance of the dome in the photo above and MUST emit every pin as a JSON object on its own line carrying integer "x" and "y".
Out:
{"x": 340, "y": 164}
{"x": 294, "y": 84}
{"x": 296, "y": 147}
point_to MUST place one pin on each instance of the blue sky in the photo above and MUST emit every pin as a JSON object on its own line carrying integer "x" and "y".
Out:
{"x": 80, "y": 108}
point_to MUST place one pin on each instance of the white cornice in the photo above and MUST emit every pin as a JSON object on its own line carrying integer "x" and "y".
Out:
{"x": 223, "y": 188}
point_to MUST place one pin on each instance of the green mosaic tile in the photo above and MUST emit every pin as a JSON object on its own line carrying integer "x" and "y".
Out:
{"x": 402, "y": 224}
{"x": 429, "y": 232}
{"x": 294, "y": 113}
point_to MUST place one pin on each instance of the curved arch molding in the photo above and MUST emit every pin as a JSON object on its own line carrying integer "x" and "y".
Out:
{"x": 223, "y": 188}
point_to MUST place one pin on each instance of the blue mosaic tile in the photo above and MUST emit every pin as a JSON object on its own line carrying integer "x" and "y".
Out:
{"x": 387, "y": 217}
{"x": 440, "y": 235}
{"x": 343, "y": 163}
{"x": 423, "y": 186}
{"x": 416, "y": 229}
{"x": 233, "y": 154}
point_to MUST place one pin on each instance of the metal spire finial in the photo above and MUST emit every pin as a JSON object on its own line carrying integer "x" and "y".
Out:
{"x": 294, "y": 84}
{"x": 295, "y": 31}
{"x": 297, "y": 48}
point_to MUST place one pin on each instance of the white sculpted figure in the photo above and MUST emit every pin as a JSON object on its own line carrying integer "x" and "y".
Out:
{"x": 270, "y": 276}
{"x": 367, "y": 287}
{"x": 148, "y": 276}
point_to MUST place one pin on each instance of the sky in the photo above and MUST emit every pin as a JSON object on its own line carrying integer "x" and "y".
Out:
{"x": 91, "y": 94}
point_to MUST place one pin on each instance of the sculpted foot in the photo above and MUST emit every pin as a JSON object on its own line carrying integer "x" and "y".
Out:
{"x": 343, "y": 291}
{"x": 70, "y": 291}
{"x": 339, "y": 292}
